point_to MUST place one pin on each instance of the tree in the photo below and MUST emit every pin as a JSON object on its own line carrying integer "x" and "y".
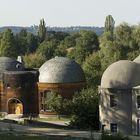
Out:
{"x": 125, "y": 40}
{"x": 109, "y": 24}
{"x": 123, "y": 35}
{"x": 93, "y": 70}
{"x": 42, "y": 30}
{"x": 86, "y": 44}
{"x": 105, "y": 38}
{"x": 111, "y": 53}
{"x": 32, "y": 43}
{"x": 47, "y": 48}
{"x": 8, "y": 46}
{"x": 21, "y": 41}
{"x": 85, "y": 113}
{"x": 60, "y": 105}
{"x": 33, "y": 60}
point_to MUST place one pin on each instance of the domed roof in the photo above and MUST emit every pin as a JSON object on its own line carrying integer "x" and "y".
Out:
{"x": 122, "y": 74}
{"x": 61, "y": 70}
{"x": 10, "y": 64}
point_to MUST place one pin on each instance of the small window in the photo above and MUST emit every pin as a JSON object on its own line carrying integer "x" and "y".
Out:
{"x": 18, "y": 66}
{"x": 41, "y": 94}
{"x": 138, "y": 101}
{"x": 42, "y": 107}
{"x": 8, "y": 85}
{"x": 113, "y": 101}
{"x": 113, "y": 127}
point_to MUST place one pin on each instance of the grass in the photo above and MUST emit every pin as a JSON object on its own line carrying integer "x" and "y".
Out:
{"x": 54, "y": 119}
{"x": 13, "y": 137}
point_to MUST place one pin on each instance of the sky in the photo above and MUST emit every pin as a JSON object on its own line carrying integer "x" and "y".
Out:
{"x": 64, "y": 13}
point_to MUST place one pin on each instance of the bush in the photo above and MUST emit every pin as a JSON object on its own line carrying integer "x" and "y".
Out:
{"x": 34, "y": 60}
{"x": 85, "y": 113}
{"x": 59, "y": 104}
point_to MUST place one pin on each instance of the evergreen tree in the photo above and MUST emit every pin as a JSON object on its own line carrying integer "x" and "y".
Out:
{"x": 8, "y": 46}
{"x": 21, "y": 40}
{"x": 42, "y": 30}
{"x": 109, "y": 24}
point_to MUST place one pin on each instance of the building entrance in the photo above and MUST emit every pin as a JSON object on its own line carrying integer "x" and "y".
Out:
{"x": 15, "y": 106}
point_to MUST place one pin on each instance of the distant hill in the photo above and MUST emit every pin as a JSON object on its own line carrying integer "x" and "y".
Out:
{"x": 72, "y": 29}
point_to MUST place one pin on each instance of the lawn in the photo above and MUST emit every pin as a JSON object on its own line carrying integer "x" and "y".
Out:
{"x": 13, "y": 137}
{"x": 54, "y": 119}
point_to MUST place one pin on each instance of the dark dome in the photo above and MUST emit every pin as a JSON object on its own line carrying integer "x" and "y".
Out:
{"x": 122, "y": 74}
{"x": 9, "y": 64}
{"x": 61, "y": 70}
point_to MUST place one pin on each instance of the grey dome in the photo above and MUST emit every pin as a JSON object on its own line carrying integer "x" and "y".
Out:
{"x": 122, "y": 74}
{"x": 61, "y": 70}
{"x": 10, "y": 64}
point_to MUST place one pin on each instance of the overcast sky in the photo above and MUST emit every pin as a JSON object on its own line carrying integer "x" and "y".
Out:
{"x": 68, "y": 12}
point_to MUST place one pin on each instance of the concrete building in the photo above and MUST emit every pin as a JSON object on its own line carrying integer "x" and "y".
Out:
{"x": 119, "y": 105}
{"x": 22, "y": 93}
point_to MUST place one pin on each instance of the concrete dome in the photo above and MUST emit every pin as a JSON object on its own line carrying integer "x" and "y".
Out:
{"x": 61, "y": 70}
{"x": 122, "y": 74}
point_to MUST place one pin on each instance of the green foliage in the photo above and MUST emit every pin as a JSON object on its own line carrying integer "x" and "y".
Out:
{"x": 7, "y": 44}
{"x": 86, "y": 44}
{"x": 42, "y": 30}
{"x": 85, "y": 112}
{"x": 68, "y": 42}
{"x": 59, "y": 104}
{"x": 31, "y": 42}
{"x": 110, "y": 54}
{"x": 123, "y": 35}
{"x": 47, "y": 48}
{"x": 93, "y": 70}
{"x": 34, "y": 60}
{"x": 105, "y": 38}
{"x": 109, "y": 24}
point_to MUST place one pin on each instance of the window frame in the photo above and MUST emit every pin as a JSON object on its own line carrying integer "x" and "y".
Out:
{"x": 138, "y": 101}
{"x": 113, "y": 127}
{"x": 113, "y": 101}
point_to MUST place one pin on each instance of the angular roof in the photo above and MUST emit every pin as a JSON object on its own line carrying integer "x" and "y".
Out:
{"x": 122, "y": 74}
{"x": 61, "y": 70}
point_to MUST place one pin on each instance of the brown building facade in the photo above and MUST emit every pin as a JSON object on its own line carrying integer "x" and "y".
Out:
{"x": 25, "y": 91}
{"x": 62, "y": 76}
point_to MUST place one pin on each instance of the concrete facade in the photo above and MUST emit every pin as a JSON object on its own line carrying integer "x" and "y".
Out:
{"x": 119, "y": 105}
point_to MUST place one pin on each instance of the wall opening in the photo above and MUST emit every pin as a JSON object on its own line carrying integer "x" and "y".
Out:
{"x": 15, "y": 106}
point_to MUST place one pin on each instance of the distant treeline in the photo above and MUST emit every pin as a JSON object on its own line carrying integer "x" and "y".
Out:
{"x": 72, "y": 29}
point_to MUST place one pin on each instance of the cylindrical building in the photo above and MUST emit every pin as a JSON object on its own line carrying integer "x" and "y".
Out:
{"x": 117, "y": 108}
{"x": 61, "y": 75}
